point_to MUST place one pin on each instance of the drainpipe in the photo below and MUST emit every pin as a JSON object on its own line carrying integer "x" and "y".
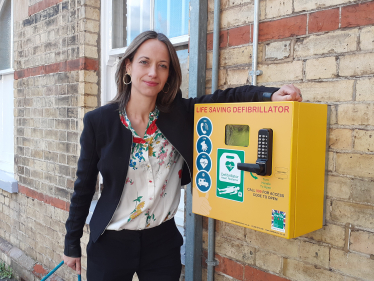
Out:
{"x": 211, "y": 262}
{"x": 254, "y": 72}
{"x": 197, "y": 70}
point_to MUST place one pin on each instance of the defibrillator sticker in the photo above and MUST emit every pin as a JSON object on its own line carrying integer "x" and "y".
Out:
{"x": 230, "y": 180}
{"x": 278, "y": 221}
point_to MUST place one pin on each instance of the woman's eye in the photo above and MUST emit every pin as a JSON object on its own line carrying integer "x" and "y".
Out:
{"x": 164, "y": 66}
{"x": 143, "y": 62}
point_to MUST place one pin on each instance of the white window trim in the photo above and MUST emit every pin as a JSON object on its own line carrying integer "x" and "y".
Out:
{"x": 7, "y": 181}
{"x": 7, "y": 71}
{"x": 11, "y": 69}
{"x": 1, "y": 4}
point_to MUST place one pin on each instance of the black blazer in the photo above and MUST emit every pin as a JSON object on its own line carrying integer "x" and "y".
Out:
{"x": 106, "y": 147}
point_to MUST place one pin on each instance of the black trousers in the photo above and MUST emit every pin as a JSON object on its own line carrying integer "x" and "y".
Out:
{"x": 154, "y": 254}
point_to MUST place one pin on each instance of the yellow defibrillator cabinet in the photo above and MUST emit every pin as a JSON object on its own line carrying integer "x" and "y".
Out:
{"x": 261, "y": 165}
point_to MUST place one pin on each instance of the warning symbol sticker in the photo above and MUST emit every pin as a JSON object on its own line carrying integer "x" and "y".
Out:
{"x": 203, "y": 181}
{"x": 230, "y": 180}
{"x": 204, "y": 144}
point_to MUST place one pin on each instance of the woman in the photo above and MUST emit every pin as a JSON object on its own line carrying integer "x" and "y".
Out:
{"x": 142, "y": 144}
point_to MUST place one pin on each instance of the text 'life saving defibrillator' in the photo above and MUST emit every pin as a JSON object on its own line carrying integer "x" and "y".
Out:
{"x": 261, "y": 165}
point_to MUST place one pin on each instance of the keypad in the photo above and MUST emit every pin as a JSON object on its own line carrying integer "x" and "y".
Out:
{"x": 262, "y": 146}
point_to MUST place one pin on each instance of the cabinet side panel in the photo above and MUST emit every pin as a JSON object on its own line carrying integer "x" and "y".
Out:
{"x": 311, "y": 150}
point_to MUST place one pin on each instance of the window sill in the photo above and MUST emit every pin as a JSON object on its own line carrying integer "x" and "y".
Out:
{"x": 8, "y": 183}
{"x": 7, "y": 71}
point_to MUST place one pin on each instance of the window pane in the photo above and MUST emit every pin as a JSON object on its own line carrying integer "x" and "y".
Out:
{"x": 138, "y": 18}
{"x": 119, "y": 11}
{"x": 5, "y": 31}
{"x": 130, "y": 18}
{"x": 171, "y": 17}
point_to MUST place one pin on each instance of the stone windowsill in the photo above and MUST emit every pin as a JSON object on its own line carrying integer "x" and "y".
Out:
{"x": 7, "y": 182}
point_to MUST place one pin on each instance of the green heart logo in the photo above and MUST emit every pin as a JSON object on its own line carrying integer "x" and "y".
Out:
{"x": 230, "y": 165}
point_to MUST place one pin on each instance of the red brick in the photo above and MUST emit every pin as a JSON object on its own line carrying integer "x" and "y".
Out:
{"x": 42, "y": 5}
{"x": 230, "y": 267}
{"x": 19, "y": 74}
{"x": 27, "y": 72}
{"x": 63, "y": 66}
{"x": 35, "y": 71}
{"x": 89, "y": 64}
{"x": 327, "y": 20}
{"x": 58, "y": 203}
{"x": 39, "y": 271}
{"x": 240, "y": 35}
{"x": 253, "y": 274}
{"x": 33, "y": 193}
{"x": 21, "y": 189}
{"x": 282, "y": 28}
{"x": 52, "y": 68}
{"x": 358, "y": 15}
{"x": 48, "y": 199}
{"x": 73, "y": 65}
{"x": 31, "y": 10}
{"x": 55, "y": 202}
{"x": 40, "y": 197}
{"x": 222, "y": 40}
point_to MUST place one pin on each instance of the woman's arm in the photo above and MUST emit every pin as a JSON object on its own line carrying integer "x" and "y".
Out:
{"x": 84, "y": 189}
{"x": 287, "y": 93}
{"x": 246, "y": 93}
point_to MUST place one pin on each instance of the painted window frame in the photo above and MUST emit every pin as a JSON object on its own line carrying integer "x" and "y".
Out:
{"x": 11, "y": 69}
{"x": 7, "y": 180}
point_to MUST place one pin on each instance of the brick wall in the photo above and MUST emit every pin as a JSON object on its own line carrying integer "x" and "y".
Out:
{"x": 56, "y": 58}
{"x": 326, "y": 48}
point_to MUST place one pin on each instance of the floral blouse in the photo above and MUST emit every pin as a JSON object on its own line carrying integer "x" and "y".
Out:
{"x": 152, "y": 189}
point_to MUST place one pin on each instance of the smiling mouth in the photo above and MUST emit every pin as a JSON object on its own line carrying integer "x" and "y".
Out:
{"x": 152, "y": 84}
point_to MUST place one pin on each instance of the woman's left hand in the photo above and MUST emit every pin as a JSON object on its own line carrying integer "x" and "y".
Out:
{"x": 287, "y": 93}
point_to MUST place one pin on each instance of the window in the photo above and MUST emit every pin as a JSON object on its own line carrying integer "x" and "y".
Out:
{"x": 5, "y": 31}
{"x": 7, "y": 181}
{"x": 123, "y": 20}
{"x": 132, "y": 17}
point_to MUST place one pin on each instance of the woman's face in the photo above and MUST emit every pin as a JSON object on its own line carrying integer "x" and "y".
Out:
{"x": 149, "y": 69}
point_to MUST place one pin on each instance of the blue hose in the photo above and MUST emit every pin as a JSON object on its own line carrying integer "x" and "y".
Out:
{"x": 53, "y": 271}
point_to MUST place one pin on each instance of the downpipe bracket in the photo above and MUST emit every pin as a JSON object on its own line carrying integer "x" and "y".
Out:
{"x": 212, "y": 263}
{"x": 258, "y": 73}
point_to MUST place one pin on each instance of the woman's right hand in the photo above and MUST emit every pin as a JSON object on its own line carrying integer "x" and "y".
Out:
{"x": 74, "y": 263}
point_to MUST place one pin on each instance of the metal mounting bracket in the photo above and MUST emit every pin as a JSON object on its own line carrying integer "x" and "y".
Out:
{"x": 258, "y": 72}
{"x": 212, "y": 263}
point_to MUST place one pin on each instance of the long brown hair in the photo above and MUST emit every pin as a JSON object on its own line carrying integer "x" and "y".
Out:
{"x": 164, "y": 100}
